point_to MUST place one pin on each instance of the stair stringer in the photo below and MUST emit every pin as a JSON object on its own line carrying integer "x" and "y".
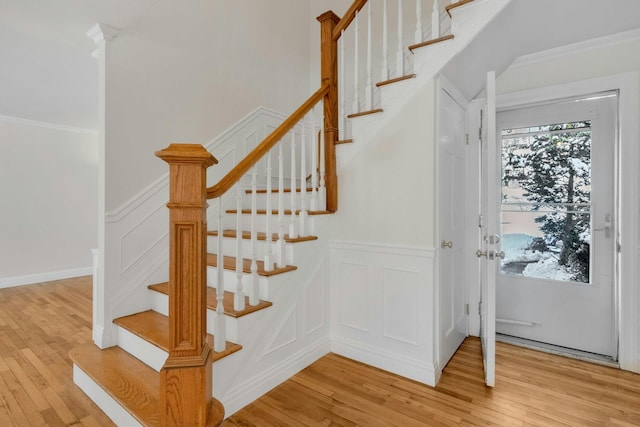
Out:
{"x": 286, "y": 337}
{"x": 468, "y": 22}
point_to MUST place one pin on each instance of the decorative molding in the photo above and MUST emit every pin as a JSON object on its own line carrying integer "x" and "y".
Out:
{"x": 289, "y": 320}
{"x": 29, "y": 279}
{"x": 576, "y": 48}
{"x": 390, "y": 249}
{"x": 47, "y": 125}
{"x": 392, "y": 362}
{"x": 256, "y": 386}
{"x": 101, "y": 32}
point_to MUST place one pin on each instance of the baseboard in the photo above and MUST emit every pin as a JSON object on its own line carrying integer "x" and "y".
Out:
{"x": 109, "y": 406}
{"x": 30, "y": 279}
{"x": 406, "y": 367}
{"x": 252, "y": 389}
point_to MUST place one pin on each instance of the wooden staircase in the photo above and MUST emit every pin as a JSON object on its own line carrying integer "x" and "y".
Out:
{"x": 129, "y": 377}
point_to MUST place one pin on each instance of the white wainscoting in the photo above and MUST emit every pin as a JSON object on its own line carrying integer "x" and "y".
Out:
{"x": 382, "y": 305}
{"x": 136, "y": 246}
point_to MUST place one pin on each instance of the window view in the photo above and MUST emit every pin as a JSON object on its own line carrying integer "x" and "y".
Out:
{"x": 546, "y": 201}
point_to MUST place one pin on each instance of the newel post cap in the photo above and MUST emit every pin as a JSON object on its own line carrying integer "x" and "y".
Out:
{"x": 187, "y": 153}
{"x": 329, "y": 14}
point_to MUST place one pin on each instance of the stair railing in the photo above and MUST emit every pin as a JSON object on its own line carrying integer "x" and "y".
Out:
{"x": 373, "y": 39}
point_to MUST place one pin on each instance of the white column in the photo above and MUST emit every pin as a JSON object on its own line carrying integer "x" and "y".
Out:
{"x": 281, "y": 260}
{"x": 418, "y": 34}
{"x": 219, "y": 324}
{"x": 303, "y": 179}
{"x": 238, "y": 297}
{"x": 368, "y": 95}
{"x": 341, "y": 91}
{"x": 268, "y": 258}
{"x": 102, "y": 319}
{"x": 314, "y": 162}
{"x": 400, "y": 45}
{"x": 384, "y": 75}
{"x": 435, "y": 20}
{"x": 322, "y": 191}
{"x": 293, "y": 232}
{"x": 356, "y": 81}
{"x": 254, "y": 294}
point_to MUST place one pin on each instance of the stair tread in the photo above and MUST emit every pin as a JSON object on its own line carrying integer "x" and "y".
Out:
{"x": 397, "y": 79}
{"x": 126, "y": 379}
{"x": 452, "y": 6}
{"x": 227, "y": 301}
{"x": 275, "y": 212}
{"x": 262, "y": 236}
{"x": 344, "y": 141}
{"x": 430, "y": 42}
{"x": 365, "y": 113}
{"x": 230, "y": 264}
{"x": 154, "y": 327}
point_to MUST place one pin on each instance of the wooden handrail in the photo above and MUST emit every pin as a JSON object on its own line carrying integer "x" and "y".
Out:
{"x": 347, "y": 18}
{"x": 267, "y": 144}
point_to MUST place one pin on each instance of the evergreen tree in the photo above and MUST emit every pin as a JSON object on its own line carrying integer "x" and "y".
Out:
{"x": 553, "y": 167}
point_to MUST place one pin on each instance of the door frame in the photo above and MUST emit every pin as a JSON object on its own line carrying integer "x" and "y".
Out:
{"x": 628, "y": 287}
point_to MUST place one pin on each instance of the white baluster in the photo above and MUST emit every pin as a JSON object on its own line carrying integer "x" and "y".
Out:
{"x": 293, "y": 233}
{"x": 314, "y": 163}
{"x": 254, "y": 294}
{"x": 220, "y": 330}
{"x": 418, "y": 35}
{"x": 435, "y": 20}
{"x": 368, "y": 95}
{"x": 322, "y": 191}
{"x": 341, "y": 93}
{"x": 268, "y": 257}
{"x": 356, "y": 80}
{"x": 400, "y": 47}
{"x": 385, "y": 42}
{"x": 238, "y": 297}
{"x": 281, "y": 261}
{"x": 303, "y": 180}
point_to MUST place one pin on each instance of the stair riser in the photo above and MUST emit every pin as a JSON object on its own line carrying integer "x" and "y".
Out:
{"x": 266, "y": 284}
{"x": 229, "y": 246}
{"x": 149, "y": 354}
{"x": 229, "y": 222}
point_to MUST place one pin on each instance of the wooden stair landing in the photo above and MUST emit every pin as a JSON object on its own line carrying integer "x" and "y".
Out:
{"x": 230, "y": 264}
{"x": 131, "y": 383}
{"x": 246, "y": 235}
{"x": 212, "y": 302}
{"x": 154, "y": 328}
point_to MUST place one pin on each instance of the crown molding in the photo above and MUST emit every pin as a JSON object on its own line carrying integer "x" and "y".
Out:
{"x": 579, "y": 47}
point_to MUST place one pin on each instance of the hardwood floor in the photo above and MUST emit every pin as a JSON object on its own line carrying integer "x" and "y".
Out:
{"x": 40, "y": 323}
{"x": 533, "y": 389}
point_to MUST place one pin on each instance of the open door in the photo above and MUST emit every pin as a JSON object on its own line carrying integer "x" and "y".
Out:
{"x": 490, "y": 240}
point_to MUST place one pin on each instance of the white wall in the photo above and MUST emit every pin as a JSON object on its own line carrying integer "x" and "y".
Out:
{"x": 48, "y": 201}
{"x": 188, "y": 70}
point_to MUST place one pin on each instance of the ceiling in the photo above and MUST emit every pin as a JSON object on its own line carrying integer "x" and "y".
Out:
{"x": 48, "y": 73}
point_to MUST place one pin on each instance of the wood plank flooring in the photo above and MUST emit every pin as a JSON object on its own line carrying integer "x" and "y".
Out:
{"x": 533, "y": 389}
{"x": 40, "y": 323}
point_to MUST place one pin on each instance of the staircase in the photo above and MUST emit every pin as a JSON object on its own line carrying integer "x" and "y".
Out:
{"x": 261, "y": 306}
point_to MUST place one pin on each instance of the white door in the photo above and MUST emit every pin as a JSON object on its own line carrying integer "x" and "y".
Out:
{"x": 452, "y": 317}
{"x": 489, "y": 239}
{"x": 556, "y": 210}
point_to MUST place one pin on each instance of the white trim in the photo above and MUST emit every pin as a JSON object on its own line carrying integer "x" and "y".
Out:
{"x": 629, "y": 110}
{"x": 100, "y": 33}
{"x": 162, "y": 183}
{"x": 577, "y": 48}
{"x": 47, "y": 125}
{"x": 256, "y": 386}
{"x": 29, "y": 279}
{"x": 390, "y": 249}
{"x": 108, "y": 404}
{"x": 376, "y": 356}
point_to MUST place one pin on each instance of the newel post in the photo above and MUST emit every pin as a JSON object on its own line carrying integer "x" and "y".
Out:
{"x": 329, "y": 73}
{"x": 186, "y": 377}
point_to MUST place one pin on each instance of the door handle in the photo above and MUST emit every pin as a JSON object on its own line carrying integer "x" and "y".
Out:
{"x": 444, "y": 244}
{"x": 481, "y": 253}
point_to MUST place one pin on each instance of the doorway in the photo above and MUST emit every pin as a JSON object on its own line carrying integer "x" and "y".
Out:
{"x": 557, "y": 216}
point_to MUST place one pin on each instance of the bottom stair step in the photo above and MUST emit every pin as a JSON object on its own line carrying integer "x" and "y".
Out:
{"x": 131, "y": 383}
{"x": 154, "y": 328}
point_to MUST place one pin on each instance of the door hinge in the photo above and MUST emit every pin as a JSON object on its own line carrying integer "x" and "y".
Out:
{"x": 480, "y": 128}
{"x": 480, "y": 221}
{"x": 466, "y": 309}
{"x": 466, "y": 139}
{"x": 480, "y": 308}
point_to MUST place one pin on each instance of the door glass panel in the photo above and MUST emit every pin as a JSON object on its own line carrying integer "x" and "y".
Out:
{"x": 546, "y": 201}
